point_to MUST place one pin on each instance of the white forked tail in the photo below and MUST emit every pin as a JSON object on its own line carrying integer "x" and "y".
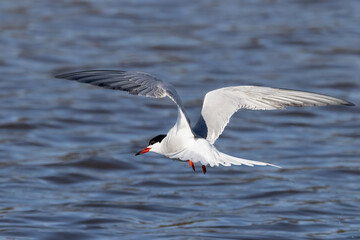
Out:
{"x": 227, "y": 160}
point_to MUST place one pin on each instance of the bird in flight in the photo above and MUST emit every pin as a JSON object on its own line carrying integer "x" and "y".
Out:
{"x": 196, "y": 144}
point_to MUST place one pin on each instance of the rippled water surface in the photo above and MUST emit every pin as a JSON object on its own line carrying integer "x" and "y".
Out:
{"x": 67, "y": 164}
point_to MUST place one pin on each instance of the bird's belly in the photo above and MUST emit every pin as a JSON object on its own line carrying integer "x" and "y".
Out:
{"x": 197, "y": 150}
{"x": 173, "y": 145}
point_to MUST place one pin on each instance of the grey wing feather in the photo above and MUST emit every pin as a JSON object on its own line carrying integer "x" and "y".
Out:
{"x": 219, "y": 105}
{"x": 136, "y": 83}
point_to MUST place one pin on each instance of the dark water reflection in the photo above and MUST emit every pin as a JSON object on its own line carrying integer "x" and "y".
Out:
{"x": 68, "y": 169}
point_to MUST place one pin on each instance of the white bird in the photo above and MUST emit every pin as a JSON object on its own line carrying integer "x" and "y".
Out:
{"x": 195, "y": 144}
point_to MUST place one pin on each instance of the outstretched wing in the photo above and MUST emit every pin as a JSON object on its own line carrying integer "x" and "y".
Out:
{"x": 136, "y": 83}
{"x": 219, "y": 105}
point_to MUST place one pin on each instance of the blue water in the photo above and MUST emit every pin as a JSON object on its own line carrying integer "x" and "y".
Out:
{"x": 67, "y": 164}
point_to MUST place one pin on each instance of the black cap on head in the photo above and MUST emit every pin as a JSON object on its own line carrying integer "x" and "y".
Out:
{"x": 156, "y": 139}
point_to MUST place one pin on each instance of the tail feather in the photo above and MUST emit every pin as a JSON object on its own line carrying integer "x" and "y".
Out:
{"x": 227, "y": 160}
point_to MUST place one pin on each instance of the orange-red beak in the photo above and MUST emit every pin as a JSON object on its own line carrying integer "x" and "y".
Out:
{"x": 145, "y": 150}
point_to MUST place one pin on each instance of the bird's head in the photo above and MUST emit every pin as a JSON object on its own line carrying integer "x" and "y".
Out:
{"x": 154, "y": 144}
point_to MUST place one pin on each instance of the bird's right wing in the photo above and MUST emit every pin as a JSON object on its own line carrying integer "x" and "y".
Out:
{"x": 219, "y": 105}
{"x": 136, "y": 83}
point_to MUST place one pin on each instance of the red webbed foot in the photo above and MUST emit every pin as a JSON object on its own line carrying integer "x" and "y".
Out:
{"x": 204, "y": 169}
{"x": 192, "y": 165}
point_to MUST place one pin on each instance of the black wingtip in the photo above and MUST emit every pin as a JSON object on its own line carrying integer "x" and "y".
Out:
{"x": 87, "y": 73}
{"x": 350, "y": 104}
{"x": 61, "y": 76}
{"x": 64, "y": 76}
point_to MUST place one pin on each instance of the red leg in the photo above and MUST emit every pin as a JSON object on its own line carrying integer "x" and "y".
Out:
{"x": 204, "y": 169}
{"x": 192, "y": 165}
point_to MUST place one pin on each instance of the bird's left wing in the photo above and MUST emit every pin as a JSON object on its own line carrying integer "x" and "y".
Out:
{"x": 219, "y": 105}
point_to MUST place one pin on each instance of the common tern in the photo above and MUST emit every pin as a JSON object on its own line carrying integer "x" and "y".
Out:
{"x": 196, "y": 144}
